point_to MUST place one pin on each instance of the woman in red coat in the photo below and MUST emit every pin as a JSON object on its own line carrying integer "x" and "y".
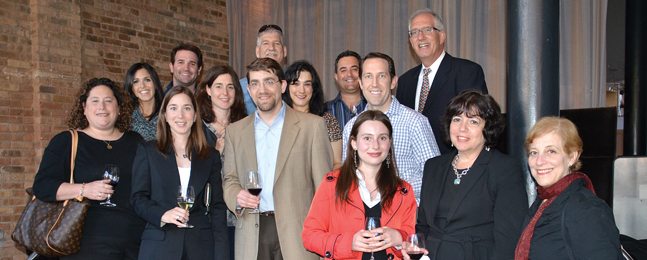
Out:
{"x": 367, "y": 185}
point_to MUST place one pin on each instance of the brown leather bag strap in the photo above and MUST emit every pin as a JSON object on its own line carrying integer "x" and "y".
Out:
{"x": 75, "y": 142}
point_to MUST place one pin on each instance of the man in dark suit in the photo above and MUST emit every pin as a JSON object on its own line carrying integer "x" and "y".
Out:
{"x": 428, "y": 88}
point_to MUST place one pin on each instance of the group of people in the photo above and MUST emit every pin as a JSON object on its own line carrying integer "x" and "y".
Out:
{"x": 422, "y": 162}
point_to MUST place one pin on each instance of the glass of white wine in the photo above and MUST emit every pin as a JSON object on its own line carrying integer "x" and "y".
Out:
{"x": 185, "y": 199}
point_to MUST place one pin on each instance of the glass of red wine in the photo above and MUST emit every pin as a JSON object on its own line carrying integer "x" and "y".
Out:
{"x": 415, "y": 246}
{"x": 371, "y": 224}
{"x": 253, "y": 187}
{"x": 110, "y": 173}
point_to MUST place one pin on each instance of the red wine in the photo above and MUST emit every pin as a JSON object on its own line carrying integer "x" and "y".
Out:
{"x": 255, "y": 191}
{"x": 415, "y": 255}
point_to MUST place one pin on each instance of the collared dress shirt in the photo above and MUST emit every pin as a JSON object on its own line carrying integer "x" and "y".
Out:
{"x": 434, "y": 69}
{"x": 267, "y": 140}
{"x": 342, "y": 112}
{"x": 413, "y": 141}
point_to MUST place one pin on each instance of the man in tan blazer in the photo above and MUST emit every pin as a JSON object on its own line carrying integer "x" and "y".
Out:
{"x": 291, "y": 152}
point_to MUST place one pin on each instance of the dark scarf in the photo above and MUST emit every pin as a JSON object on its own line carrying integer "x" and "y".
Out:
{"x": 549, "y": 194}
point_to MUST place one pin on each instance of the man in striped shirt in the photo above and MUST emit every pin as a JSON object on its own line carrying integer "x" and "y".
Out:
{"x": 350, "y": 100}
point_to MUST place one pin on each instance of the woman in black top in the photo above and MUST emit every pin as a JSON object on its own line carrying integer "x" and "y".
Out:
{"x": 180, "y": 156}
{"x": 567, "y": 221}
{"x": 102, "y": 116}
{"x": 472, "y": 200}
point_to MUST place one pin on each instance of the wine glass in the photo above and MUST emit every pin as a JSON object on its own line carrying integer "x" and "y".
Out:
{"x": 371, "y": 224}
{"x": 415, "y": 246}
{"x": 111, "y": 173}
{"x": 185, "y": 199}
{"x": 253, "y": 187}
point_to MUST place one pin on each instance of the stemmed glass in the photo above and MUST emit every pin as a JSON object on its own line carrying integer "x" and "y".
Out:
{"x": 185, "y": 199}
{"x": 253, "y": 187}
{"x": 415, "y": 246}
{"x": 111, "y": 173}
{"x": 371, "y": 224}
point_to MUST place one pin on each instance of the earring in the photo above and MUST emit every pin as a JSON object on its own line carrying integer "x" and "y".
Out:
{"x": 487, "y": 148}
{"x": 355, "y": 158}
{"x": 452, "y": 144}
{"x": 388, "y": 159}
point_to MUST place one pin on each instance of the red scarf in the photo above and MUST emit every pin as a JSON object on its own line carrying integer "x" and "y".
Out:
{"x": 549, "y": 194}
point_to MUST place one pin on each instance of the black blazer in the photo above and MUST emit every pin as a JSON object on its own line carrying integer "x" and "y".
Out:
{"x": 454, "y": 75}
{"x": 588, "y": 225}
{"x": 155, "y": 183}
{"x": 485, "y": 218}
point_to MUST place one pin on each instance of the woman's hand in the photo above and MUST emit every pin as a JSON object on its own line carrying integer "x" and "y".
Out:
{"x": 362, "y": 241}
{"x": 388, "y": 238}
{"x": 97, "y": 190}
{"x": 405, "y": 246}
{"x": 176, "y": 216}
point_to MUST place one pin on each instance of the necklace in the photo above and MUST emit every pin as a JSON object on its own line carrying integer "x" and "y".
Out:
{"x": 458, "y": 176}
{"x": 107, "y": 143}
{"x": 223, "y": 125}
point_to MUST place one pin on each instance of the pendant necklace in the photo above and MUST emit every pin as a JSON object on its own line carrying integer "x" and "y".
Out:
{"x": 458, "y": 176}
{"x": 107, "y": 143}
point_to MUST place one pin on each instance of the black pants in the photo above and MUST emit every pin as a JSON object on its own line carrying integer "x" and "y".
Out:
{"x": 106, "y": 248}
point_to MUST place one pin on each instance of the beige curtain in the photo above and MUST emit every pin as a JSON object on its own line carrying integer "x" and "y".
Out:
{"x": 318, "y": 30}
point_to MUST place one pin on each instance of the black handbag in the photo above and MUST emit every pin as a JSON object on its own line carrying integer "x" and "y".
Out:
{"x": 53, "y": 229}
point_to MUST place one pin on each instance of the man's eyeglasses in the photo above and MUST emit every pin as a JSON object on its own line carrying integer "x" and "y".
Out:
{"x": 425, "y": 31}
{"x": 266, "y": 83}
{"x": 267, "y": 26}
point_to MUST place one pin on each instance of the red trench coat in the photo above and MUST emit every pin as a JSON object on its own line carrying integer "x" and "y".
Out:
{"x": 328, "y": 230}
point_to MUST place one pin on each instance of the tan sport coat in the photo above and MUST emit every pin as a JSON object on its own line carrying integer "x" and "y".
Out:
{"x": 305, "y": 157}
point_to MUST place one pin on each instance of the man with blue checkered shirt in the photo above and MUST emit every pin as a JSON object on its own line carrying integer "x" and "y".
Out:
{"x": 413, "y": 139}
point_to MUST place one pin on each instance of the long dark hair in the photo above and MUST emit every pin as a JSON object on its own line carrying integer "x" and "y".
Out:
{"x": 316, "y": 104}
{"x": 237, "y": 111}
{"x": 159, "y": 91}
{"x": 387, "y": 177}
{"x": 77, "y": 117}
{"x": 196, "y": 140}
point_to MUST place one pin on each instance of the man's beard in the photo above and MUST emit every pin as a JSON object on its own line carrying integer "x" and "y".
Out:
{"x": 269, "y": 106}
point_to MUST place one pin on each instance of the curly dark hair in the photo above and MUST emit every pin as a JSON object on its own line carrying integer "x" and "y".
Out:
{"x": 472, "y": 103}
{"x": 159, "y": 91}
{"x": 77, "y": 118}
{"x": 205, "y": 107}
{"x": 316, "y": 104}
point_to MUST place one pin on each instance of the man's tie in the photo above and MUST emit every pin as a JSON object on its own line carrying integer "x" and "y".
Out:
{"x": 424, "y": 90}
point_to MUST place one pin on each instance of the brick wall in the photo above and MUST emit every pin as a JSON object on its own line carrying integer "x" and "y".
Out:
{"x": 49, "y": 47}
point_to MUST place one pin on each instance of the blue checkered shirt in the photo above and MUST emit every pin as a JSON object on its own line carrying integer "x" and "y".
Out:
{"x": 413, "y": 140}
{"x": 341, "y": 111}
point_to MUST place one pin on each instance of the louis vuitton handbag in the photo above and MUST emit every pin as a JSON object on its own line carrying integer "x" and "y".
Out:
{"x": 53, "y": 229}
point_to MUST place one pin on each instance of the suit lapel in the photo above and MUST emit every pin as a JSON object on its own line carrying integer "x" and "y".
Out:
{"x": 475, "y": 173}
{"x": 248, "y": 141}
{"x": 200, "y": 170}
{"x": 168, "y": 168}
{"x": 288, "y": 137}
{"x": 439, "y": 177}
{"x": 439, "y": 80}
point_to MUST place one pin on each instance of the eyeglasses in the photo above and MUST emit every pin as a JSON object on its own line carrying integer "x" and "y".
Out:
{"x": 267, "y": 26}
{"x": 425, "y": 31}
{"x": 266, "y": 83}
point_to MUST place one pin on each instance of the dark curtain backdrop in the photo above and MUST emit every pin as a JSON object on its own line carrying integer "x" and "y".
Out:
{"x": 318, "y": 30}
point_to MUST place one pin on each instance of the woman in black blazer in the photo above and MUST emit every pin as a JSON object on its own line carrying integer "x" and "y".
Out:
{"x": 473, "y": 200}
{"x": 179, "y": 156}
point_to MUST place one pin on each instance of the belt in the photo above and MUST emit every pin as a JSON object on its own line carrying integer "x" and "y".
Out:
{"x": 267, "y": 213}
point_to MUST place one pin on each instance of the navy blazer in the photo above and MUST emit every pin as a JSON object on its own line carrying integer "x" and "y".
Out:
{"x": 454, "y": 75}
{"x": 155, "y": 184}
{"x": 485, "y": 219}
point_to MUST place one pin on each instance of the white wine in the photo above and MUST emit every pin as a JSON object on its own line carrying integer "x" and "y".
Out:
{"x": 185, "y": 205}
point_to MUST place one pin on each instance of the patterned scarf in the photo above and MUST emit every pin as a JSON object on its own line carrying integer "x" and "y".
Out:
{"x": 549, "y": 194}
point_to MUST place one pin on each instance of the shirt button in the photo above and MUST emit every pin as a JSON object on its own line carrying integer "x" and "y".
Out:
{"x": 256, "y": 225}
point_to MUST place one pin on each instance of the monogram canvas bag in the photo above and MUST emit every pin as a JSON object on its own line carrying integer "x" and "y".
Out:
{"x": 53, "y": 229}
